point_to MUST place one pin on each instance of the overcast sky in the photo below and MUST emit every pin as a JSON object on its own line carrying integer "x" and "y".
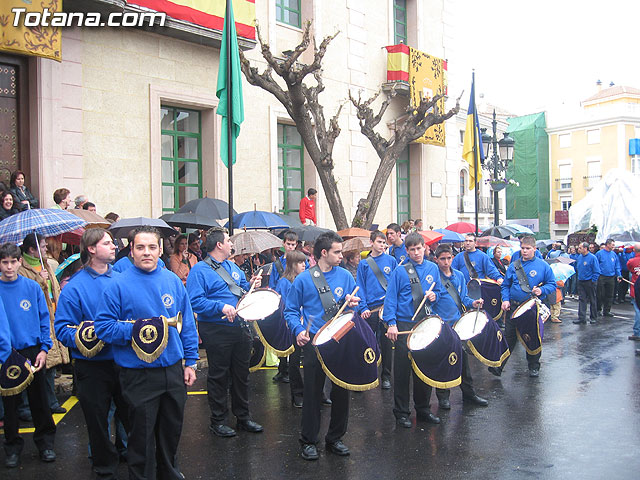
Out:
{"x": 531, "y": 56}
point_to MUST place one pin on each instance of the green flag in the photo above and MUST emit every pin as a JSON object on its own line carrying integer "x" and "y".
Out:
{"x": 229, "y": 60}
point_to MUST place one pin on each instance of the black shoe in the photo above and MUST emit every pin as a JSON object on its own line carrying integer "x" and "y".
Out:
{"x": 637, "y": 353}
{"x": 297, "y": 402}
{"x": 222, "y": 430}
{"x": 428, "y": 417}
{"x": 607, "y": 314}
{"x": 578, "y": 322}
{"x": 48, "y": 456}
{"x": 497, "y": 371}
{"x": 476, "y": 400}
{"x": 386, "y": 384}
{"x": 404, "y": 422}
{"x": 326, "y": 401}
{"x": 634, "y": 337}
{"x": 249, "y": 426}
{"x": 278, "y": 377}
{"x": 338, "y": 448}
{"x": 444, "y": 404}
{"x": 534, "y": 372}
{"x": 12, "y": 460}
{"x": 25, "y": 417}
{"x": 309, "y": 451}
{"x": 59, "y": 409}
{"x": 593, "y": 321}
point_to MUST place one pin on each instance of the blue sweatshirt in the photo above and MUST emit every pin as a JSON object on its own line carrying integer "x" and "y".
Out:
{"x": 79, "y": 302}
{"x": 125, "y": 263}
{"x": 274, "y": 277}
{"x": 136, "y": 294}
{"x": 303, "y": 294}
{"x": 446, "y": 307}
{"x": 609, "y": 263}
{"x": 517, "y": 254}
{"x": 27, "y": 313}
{"x": 399, "y": 253}
{"x": 5, "y": 335}
{"x": 588, "y": 267}
{"x": 209, "y": 293}
{"x": 480, "y": 261}
{"x": 538, "y": 271}
{"x": 398, "y": 303}
{"x": 371, "y": 292}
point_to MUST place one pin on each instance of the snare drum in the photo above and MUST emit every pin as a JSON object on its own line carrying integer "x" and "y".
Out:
{"x": 435, "y": 352}
{"x": 348, "y": 352}
{"x": 483, "y": 337}
{"x": 491, "y": 294}
{"x": 258, "y": 304}
{"x": 529, "y": 325}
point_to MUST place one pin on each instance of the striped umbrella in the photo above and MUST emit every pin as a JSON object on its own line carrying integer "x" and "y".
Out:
{"x": 47, "y": 222}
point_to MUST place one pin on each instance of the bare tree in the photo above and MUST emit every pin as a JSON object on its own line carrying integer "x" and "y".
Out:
{"x": 302, "y": 103}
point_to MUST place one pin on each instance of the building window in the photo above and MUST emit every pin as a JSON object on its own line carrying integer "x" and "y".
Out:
{"x": 288, "y": 11}
{"x": 403, "y": 191}
{"x": 564, "y": 140}
{"x": 461, "y": 137}
{"x": 635, "y": 164}
{"x": 290, "y": 168}
{"x": 565, "y": 203}
{"x": 565, "y": 177}
{"x": 593, "y": 174}
{"x": 400, "y": 21}
{"x": 181, "y": 157}
{"x": 593, "y": 136}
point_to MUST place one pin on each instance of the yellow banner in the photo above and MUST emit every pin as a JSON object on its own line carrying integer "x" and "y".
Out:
{"x": 37, "y": 41}
{"x": 427, "y": 77}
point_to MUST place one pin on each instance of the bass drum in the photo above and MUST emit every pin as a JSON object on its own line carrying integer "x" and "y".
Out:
{"x": 529, "y": 325}
{"x": 483, "y": 337}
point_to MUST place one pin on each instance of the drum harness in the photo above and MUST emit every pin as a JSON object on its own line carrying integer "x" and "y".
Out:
{"x": 416, "y": 288}
{"x": 235, "y": 289}
{"x": 453, "y": 292}
{"x": 467, "y": 262}
{"x": 377, "y": 272}
{"x": 327, "y": 299}
{"x": 524, "y": 283}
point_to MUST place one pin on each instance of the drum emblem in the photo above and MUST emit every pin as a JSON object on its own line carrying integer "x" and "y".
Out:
{"x": 526, "y": 337}
{"x": 453, "y": 358}
{"x": 429, "y": 278}
{"x": 167, "y": 300}
{"x": 338, "y": 291}
{"x": 387, "y": 270}
{"x": 25, "y": 305}
{"x": 89, "y": 334}
{"x": 533, "y": 273}
{"x": 499, "y": 335}
{"x": 13, "y": 372}
{"x": 369, "y": 355}
{"x": 494, "y": 301}
{"x": 148, "y": 334}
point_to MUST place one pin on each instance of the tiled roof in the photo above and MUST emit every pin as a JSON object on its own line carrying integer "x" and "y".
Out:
{"x": 614, "y": 91}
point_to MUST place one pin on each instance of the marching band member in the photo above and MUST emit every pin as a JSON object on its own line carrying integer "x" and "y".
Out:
{"x": 397, "y": 248}
{"x": 473, "y": 263}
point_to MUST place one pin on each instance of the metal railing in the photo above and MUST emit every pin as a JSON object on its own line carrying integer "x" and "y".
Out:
{"x": 485, "y": 205}
{"x": 563, "y": 183}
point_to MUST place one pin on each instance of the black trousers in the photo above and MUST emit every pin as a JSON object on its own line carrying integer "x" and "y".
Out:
{"x": 512, "y": 340}
{"x": 386, "y": 347}
{"x": 228, "y": 352}
{"x": 97, "y": 384}
{"x": 467, "y": 381}
{"x": 283, "y": 366}
{"x": 45, "y": 428}
{"x": 587, "y": 296}
{"x": 314, "y": 378}
{"x": 402, "y": 374}
{"x": 295, "y": 377}
{"x": 606, "y": 290}
{"x": 622, "y": 287}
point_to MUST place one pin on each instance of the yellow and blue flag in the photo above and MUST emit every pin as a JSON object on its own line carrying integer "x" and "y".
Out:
{"x": 472, "y": 151}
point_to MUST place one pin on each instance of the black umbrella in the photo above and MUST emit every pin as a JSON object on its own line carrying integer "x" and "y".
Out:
{"x": 189, "y": 220}
{"x": 291, "y": 220}
{"x": 306, "y": 233}
{"x": 208, "y": 208}
{"x": 123, "y": 227}
{"x": 501, "y": 231}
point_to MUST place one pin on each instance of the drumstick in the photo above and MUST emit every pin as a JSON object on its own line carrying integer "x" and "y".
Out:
{"x": 309, "y": 325}
{"x": 406, "y": 332}
{"x": 424, "y": 299}
{"x": 344, "y": 305}
{"x": 253, "y": 285}
{"x": 624, "y": 279}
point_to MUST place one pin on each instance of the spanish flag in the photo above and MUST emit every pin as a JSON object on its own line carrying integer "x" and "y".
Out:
{"x": 472, "y": 151}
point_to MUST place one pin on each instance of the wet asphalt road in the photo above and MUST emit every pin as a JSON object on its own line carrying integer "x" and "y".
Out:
{"x": 579, "y": 419}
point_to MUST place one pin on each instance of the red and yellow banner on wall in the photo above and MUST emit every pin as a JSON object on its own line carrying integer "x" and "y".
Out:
{"x": 427, "y": 77}
{"x": 37, "y": 41}
{"x": 207, "y": 13}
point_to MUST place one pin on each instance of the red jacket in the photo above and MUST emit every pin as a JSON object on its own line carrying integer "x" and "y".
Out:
{"x": 307, "y": 210}
{"x": 633, "y": 265}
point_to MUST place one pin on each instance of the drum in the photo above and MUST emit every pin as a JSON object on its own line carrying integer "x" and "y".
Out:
{"x": 263, "y": 308}
{"x": 490, "y": 293}
{"x": 529, "y": 325}
{"x": 348, "y": 352}
{"x": 258, "y": 353}
{"x": 483, "y": 337}
{"x": 435, "y": 352}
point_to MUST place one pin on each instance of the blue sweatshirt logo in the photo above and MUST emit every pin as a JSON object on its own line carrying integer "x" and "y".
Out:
{"x": 167, "y": 300}
{"x": 25, "y": 305}
{"x": 338, "y": 291}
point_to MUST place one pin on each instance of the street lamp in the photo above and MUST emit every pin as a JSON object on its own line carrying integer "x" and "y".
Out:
{"x": 497, "y": 163}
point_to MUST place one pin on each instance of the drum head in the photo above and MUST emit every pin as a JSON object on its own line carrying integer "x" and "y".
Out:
{"x": 525, "y": 307}
{"x": 471, "y": 324}
{"x": 424, "y": 333}
{"x": 474, "y": 289}
{"x": 327, "y": 332}
{"x": 261, "y": 303}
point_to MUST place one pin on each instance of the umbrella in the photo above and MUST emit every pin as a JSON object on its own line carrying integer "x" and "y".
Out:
{"x": 563, "y": 260}
{"x": 520, "y": 229}
{"x": 462, "y": 227}
{"x": 291, "y": 220}
{"x": 189, "y": 220}
{"x": 206, "y": 207}
{"x": 353, "y": 232}
{"x": 254, "y": 241}
{"x": 61, "y": 268}
{"x": 124, "y": 226}
{"x": 306, "y": 233}
{"x": 562, "y": 271}
{"x": 43, "y": 221}
{"x": 449, "y": 236}
{"x": 73, "y": 237}
{"x": 93, "y": 219}
{"x": 490, "y": 241}
{"x": 501, "y": 231}
{"x": 258, "y": 219}
{"x": 544, "y": 243}
{"x": 430, "y": 236}
{"x": 356, "y": 244}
